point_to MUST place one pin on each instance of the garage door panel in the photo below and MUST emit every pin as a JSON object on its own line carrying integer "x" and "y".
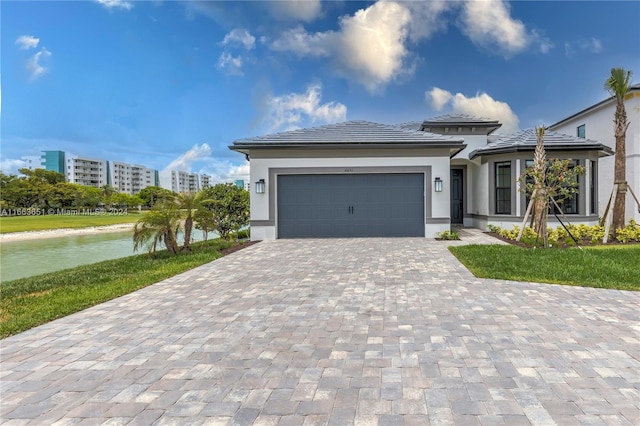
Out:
{"x": 354, "y": 205}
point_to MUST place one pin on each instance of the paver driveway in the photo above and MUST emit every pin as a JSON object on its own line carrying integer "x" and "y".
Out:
{"x": 364, "y": 331}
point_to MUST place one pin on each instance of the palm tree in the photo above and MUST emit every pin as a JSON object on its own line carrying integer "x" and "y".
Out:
{"x": 160, "y": 225}
{"x": 190, "y": 202}
{"x": 541, "y": 201}
{"x": 107, "y": 194}
{"x": 618, "y": 85}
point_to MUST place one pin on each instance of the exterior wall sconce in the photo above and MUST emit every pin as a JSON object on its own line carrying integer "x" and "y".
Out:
{"x": 437, "y": 183}
{"x": 260, "y": 186}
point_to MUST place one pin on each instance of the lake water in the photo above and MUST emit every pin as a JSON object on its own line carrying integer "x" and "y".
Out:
{"x": 19, "y": 259}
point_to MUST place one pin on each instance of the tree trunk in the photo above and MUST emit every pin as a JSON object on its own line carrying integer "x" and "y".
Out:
{"x": 188, "y": 226}
{"x": 170, "y": 242}
{"x": 620, "y": 173}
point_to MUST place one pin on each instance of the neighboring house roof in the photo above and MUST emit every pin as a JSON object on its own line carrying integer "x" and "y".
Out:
{"x": 460, "y": 120}
{"x": 411, "y": 125}
{"x": 351, "y": 134}
{"x": 526, "y": 140}
{"x": 633, "y": 88}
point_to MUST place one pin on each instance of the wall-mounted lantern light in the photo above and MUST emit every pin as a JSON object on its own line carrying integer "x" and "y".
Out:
{"x": 437, "y": 184}
{"x": 260, "y": 186}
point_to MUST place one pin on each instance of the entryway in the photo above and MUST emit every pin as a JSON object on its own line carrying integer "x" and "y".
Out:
{"x": 457, "y": 196}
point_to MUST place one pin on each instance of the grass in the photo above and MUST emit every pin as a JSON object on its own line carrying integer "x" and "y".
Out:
{"x": 54, "y": 221}
{"x": 29, "y": 302}
{"x": 613, "y": 267}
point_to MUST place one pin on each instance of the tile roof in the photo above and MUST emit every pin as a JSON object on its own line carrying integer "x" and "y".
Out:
{"x": 526, "y": 140}
{"x": 411, "y": 125}
{"x": 349, "y": 133}
{"x": 460, "y": 119}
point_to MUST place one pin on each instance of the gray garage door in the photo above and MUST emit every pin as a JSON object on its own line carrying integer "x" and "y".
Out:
{"x": 351, "y": 205}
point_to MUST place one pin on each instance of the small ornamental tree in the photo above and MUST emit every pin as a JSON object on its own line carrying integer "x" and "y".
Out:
{"x": 230, "y": 207}
{"x": 558, "y": 181}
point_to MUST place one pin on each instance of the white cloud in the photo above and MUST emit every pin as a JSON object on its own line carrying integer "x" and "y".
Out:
{"x": 186, "y": 160}
{"x": 116, "y": 4}
{"x": 34, "y": 66}
{"x": 481, "y": 105}
{"x": 241, "y": 37}
{"x": 26, "y": 42}
{"x": 300, "y": 42}
{"x": 369, "y": 47}
{"x": 288, "y": 112}
{"x": 544, "y": 44}
{"x": 298, "y": 10}
{"x": 226, "y": 171}
{"x": 592, "y": 45}
{"x": 438, "y": 97}
{"x": 372, "y": 43}
{"x": 489, "y": 24}
{"x": 11, "y": 166}
{"x": 426, "y": 17}
{"x": 231, "y": 65}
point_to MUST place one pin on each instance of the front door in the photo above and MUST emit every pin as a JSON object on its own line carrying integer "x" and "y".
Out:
{"x": 457, "y": 212}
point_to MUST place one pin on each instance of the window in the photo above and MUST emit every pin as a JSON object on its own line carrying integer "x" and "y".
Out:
{"x": 593, "y": 181}
{"x": 582, "y": 131}
{"x": 503, "y": 187}
{"x": 567, "y": 206}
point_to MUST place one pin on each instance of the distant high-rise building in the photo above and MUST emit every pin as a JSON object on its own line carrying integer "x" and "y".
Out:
{"x": 87, "y": 171}
{"x": 239, "y": 183}
{"x": 124, "y": 177}
{"x": 205, "y": 181}
{"x": 178, "y": 181}
{"x": 53, "y": 160}
{"x": 32, "y": 162}
{"x": 130, "y": 178}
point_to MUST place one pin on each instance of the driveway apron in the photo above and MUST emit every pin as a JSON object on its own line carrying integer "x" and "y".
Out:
{"x": 338, "y": 331}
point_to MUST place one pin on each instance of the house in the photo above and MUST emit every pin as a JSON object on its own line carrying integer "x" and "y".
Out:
{"x": 364, "y": 179}
{"x": 596, "y": 122}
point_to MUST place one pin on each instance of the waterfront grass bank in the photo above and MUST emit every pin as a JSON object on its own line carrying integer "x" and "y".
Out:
{"x": 29, "y": 302}
{"x": 9, "y": 224}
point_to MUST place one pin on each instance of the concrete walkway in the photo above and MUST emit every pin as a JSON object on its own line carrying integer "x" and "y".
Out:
{"x": 314, "y": 332}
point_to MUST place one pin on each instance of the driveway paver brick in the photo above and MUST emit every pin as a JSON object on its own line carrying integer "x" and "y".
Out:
{"x": 338, "y": 331}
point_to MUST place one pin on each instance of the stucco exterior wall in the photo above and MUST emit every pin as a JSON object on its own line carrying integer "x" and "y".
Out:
{"x": 599, "y": 126}
{"x": 484, "y": 185}
{"x": 263, "y": 164}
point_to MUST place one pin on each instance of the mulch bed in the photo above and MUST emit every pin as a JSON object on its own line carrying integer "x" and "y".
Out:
{"x": 237, "y": 246}
{"x": 585, "y": 243}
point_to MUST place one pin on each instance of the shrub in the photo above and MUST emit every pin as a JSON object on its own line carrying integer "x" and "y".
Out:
{"x": 560, "y": 237}
{"x": 629, "y": 233}
{"x": 448, "y": 235}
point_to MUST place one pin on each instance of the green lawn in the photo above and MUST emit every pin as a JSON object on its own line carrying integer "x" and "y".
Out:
{"x": 41, "y": 223}
{"x": 28, "y": 302}
{"x": 614, "y": 267}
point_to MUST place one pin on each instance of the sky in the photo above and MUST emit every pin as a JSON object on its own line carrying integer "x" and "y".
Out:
{"x": 171, "y": 84}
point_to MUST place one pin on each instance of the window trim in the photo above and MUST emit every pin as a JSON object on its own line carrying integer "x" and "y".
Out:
{"x": 579, "y": 197}
{"x": 584, "y": 131}
{"x": 509, "y": 188}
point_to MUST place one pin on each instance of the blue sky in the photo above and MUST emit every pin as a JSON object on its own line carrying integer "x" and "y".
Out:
{"x": 173, "y": 83}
